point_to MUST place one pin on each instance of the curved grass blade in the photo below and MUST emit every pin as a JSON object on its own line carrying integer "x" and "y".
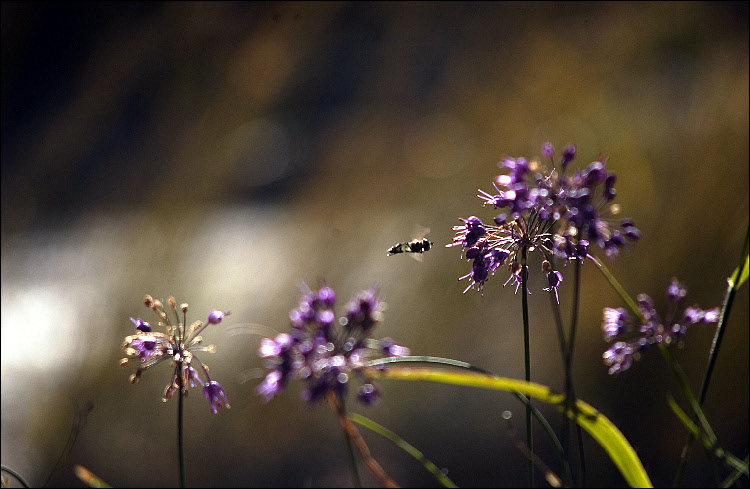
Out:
{"x": 401, "y": 443}
{"x": 459, "y": 364}
{"x": 595, "y": 423}
{"x": 742, "y": 271}
{"x": 709, "y": 440}
{"x": 15, "y": 474}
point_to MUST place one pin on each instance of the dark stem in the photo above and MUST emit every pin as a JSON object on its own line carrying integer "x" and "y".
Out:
{"x": 731, "y": 289}
{"x": 80, "y": 419}
{"x": 527, "y": 358}
{"x": 354, "y": 439}
{"x": 569, "y": 390}
{"x": 565, "y": 429}
{"x": 352, "y": 460}
{"x": 180, "y": 452}
{"x": 720, "y": 328}
{"x": 459, "y": 364}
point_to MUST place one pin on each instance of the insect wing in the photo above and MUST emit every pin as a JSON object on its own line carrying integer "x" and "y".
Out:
{"x": 417, "y": 256}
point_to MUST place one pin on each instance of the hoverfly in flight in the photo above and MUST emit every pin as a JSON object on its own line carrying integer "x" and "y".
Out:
{"x": 418, "y": 245}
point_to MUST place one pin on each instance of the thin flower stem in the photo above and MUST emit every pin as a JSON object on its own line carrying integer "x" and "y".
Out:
{"x": 559, "y": 325}
{"x": 690, "y": 397}
{"x": 731, "y": 289}
{"x": 681, "y": 377}
{"x": 401, "y": 443}
{"x": 618, "y": 288}
{"x": 459, "y": 364}
{"x": 527, "y": 358}
{"x": 353, "y": 437}
{"x": 551, "y": 478}
{"x": 732, "y": 478}
{"x": 569, "y": 390}
{"x": 340, "y": 409}
{"x": 565, "y": 430}
{"x": 180, "y": 451}
{"x": 728, "y": 301}
{"x": 80, "y": 420}
{"x": 603, "y": 431}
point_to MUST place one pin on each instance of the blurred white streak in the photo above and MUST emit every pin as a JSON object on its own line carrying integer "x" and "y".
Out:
{"x": 252, "y": 329}
{"x": 252, "y": 374}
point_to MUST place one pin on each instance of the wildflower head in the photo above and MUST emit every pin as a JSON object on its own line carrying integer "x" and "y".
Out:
{"x": 542, "y": 210}
{"x": 178, "y": 343}
{"x": 324, "y": 351}
{"x": 587, "y": 211}
{"x": 632, "y": 340}
{"x": 215, "y": 395}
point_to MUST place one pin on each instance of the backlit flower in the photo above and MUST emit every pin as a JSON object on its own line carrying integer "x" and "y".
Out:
{"x": 556, "y": 214}
{"x": 325, "y": 352}
{"x": 635, "y": 338}
{"x": 178, "y": 344}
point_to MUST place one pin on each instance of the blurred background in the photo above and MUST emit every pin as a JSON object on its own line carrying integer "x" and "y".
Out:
{"x": 225, "y": 153}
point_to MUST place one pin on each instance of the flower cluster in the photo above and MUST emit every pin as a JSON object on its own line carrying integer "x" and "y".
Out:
{"x": 555, "y": 213}
{"x": 617, "y": 324}
{"x": 324, "y": 351}
{"x": 179, "y": 344}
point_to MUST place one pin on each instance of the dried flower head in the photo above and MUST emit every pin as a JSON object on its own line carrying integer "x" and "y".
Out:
{"x": 632, "y": 342}
{"x": 179, "y": 344}
{"x": 324, "y": 351}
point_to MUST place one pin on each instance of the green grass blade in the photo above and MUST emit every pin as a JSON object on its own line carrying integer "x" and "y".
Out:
{"x": 684, "y": 418}
{"x": 743, "y": 276}
{"x": 401, "y": 443}
{"x": 595, "y": 423}
{"x": 459, "y": 364}
{"x": 732, "y": 478}
{"x": 709, "y": 442}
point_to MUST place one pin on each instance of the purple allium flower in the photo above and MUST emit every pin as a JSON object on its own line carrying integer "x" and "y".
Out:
{"x": 215, "y": 317}
{"x": 393, "y": 350}
{"x": 368, "y": 394}
{"x": 619, "y": 357}
{"x": 549, "y": 212}
{"x": 215, "y": 395}
{"x": 141, "y": 325}
{"x": 617, "y": 324}
{"x": 490, "y": 246}
{"x": 548, "y": 151}
{"x": 178, "y": 345}
{"x": 568, "y": 155}
{"x": 271, "y": 385}
{"x": 586, "y": 198}
{"x": 324, "y": 352}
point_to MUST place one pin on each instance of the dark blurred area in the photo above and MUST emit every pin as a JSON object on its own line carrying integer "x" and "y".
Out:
{"x": 225, "y": 152}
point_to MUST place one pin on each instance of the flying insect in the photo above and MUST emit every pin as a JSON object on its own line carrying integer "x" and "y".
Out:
{"x": 413, "y": 246}
{"x": 418, "y": 245}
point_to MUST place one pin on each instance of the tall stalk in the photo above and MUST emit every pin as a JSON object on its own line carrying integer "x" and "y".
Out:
{"x": 180, "y": 451}
{"x": 720, "y": 328}
{"x": 570, "y": 397}
{"x": 527, "y": 358}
